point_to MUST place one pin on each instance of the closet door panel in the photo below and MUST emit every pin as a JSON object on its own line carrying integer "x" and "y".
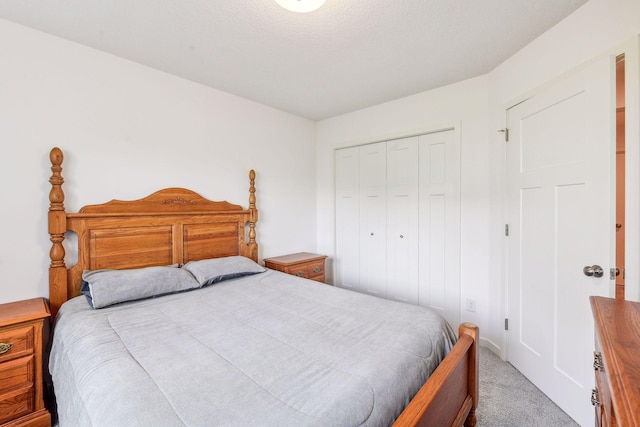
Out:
{"x": 347, "y": 218}
{"x": 402, "y": 219}
{"x": 435, "y": 256}
{"x": 373, "y": 213}
{"x": 439, "y": 223}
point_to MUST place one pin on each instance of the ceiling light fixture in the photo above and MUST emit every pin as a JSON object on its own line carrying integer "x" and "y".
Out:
{"x": 301, "y": 6}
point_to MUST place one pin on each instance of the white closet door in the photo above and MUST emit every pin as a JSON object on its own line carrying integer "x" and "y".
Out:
{"x": 439, "y": 246}
{"x": 347, "y": 218}
{"x": 402, "y": 219}
{"x": 373, "y": 213}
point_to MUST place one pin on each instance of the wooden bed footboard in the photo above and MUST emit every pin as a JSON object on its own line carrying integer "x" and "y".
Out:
{"x": 450, "y": 395}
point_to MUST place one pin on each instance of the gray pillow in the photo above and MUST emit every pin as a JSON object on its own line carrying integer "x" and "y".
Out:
{"x": 107, "y": 287}
{"x": 209, "y": 271}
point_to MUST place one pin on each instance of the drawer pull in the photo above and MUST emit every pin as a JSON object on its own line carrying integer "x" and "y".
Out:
{"x": 595, "y": 397}
{"x": 4, "y": 347}
{"x": 300, "y": 273}
{"x": 317, "y": 270}
{"x": 597, "y": 361}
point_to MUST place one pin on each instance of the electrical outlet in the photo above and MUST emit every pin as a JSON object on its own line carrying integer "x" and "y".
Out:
{"x": 471, "y": 305}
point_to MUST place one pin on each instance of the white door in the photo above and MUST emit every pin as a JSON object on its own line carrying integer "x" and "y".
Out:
{"x": 439, "y": 224}
{"x": 373, "y": 218}
{"x": 560, "y": 162}
{"x": 347, "y": 217}
{"x": 402, "y": 219}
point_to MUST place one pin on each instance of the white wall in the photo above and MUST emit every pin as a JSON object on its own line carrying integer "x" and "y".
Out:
{"x": 479, "y": 105}
{"x": 127, "y": 130}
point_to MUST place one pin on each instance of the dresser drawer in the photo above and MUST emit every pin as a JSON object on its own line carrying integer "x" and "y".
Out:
{"x": 312, "y": 270}
{"x": 299, "y": 270}
{"x": 20, "y": 341}
{"x": 315, "y": 270}
{"x": 16, "y": 404}
{"x": 603, "y": 406}
{"x": 16, "y": 388}
{"x": 15, "y": 374}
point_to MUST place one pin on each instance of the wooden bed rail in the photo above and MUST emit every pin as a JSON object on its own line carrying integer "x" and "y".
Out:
{"x": 450, "y": 395}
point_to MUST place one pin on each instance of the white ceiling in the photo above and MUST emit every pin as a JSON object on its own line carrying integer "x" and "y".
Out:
{"x": 348, "y": 55}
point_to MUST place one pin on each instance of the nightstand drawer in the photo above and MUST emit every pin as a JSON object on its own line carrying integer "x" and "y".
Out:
{"x": 16, "y": 374}
{"x": 19, "y": 341}
{"x": 316, "y": 270}
{"x": 16, "y": 404}
{"x": 299, "y": 270}
{"x": 16, "y": 388}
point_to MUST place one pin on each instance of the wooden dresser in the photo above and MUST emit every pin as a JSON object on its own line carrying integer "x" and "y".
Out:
{"x": 616, "y": 362}
{"x": 21, "y": 364}
{"x": 301, "y": 264}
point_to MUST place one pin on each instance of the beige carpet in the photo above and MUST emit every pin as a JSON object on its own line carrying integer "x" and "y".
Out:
{"x": 507, "y": 398}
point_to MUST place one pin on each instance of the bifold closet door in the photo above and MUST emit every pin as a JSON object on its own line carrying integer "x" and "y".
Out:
{"x": 402, "y": 219}
{"x": 347, "y": 169}
{"x": 398, "y": 220}
{"x": 373, "y": 218}
{"x": 439, "y": 224}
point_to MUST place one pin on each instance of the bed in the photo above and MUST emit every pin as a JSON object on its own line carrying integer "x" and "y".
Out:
{"x": 168, "y": 319}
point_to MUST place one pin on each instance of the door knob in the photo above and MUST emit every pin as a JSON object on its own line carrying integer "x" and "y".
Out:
{"x": 593, "y": 270}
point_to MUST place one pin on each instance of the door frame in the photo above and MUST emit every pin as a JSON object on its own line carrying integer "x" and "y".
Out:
{"x": 631, "y": 50}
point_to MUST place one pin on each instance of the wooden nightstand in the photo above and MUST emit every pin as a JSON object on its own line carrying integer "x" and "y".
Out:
{"x": 21, "y": 364}
{"x": 302, "y": 264}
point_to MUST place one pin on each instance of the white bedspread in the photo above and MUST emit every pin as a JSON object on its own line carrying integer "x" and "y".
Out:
{"x": 263, "y": 350}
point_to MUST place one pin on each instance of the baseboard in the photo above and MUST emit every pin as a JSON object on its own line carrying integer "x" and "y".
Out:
{"x": 491, "y": 346}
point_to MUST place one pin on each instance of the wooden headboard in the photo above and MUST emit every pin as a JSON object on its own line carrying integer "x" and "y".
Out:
{"x": 171, "y": 226}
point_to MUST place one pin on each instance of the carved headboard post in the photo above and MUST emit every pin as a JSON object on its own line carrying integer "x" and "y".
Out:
{"x": 57, "y": 228}
{"x": 253, "y": 246}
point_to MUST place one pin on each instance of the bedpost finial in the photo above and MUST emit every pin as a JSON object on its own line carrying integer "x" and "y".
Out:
{"x": 252, "y": 190}
{"x": 56, "y": 195}
{"x": 56, "y": 156}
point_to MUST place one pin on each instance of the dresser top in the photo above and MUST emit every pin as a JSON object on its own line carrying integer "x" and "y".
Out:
{"x": 618, "y": 330}
{"x": 294, "y": 258}
{"x": 23, "y": 311}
